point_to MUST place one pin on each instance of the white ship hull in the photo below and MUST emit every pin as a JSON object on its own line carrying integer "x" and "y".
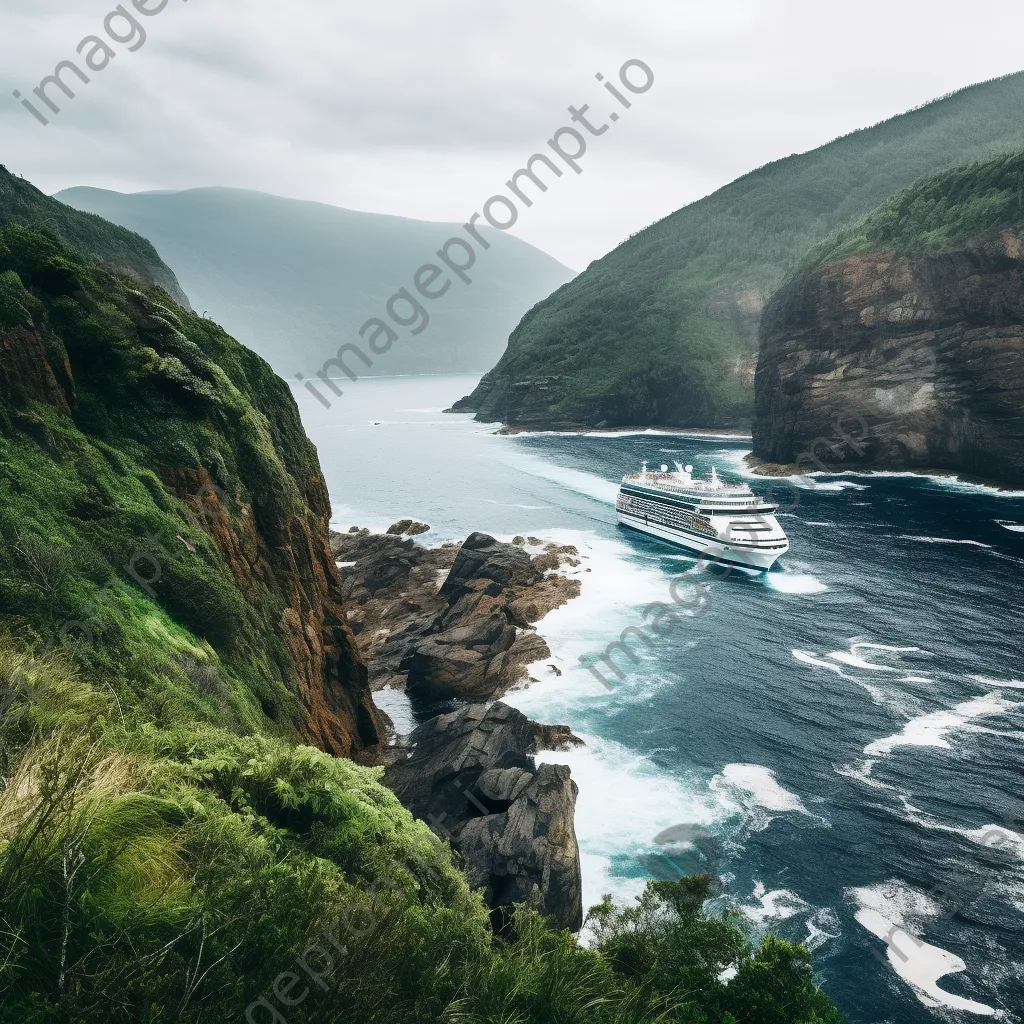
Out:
{"x": 712, "y": 550}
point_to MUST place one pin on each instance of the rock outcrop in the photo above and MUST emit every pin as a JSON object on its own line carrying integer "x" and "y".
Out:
{"x": 467, "y": 638}
{"x": 885, "y": 361}
{"x": 472, "y": 776}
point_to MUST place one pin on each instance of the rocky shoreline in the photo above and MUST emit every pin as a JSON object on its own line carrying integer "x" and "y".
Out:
{"x": 453, "y": 627}
{"x": 778, "y": 470}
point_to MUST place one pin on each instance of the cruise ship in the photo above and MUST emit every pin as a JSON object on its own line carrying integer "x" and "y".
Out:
{"x": 724, "y": 522}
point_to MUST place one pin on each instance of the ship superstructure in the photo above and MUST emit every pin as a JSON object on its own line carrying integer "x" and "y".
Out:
{"x": 724, "y": 522}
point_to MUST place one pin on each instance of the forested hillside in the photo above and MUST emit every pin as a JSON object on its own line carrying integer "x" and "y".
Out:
{"x": 663, "y": 330}
{"x": 21, "y": 202}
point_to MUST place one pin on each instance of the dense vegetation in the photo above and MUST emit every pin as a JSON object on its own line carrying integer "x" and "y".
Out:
{"x": 88, "y": 515}
{"x": 168, "y": 850}
{"x": 663, "y": 329}
{"x": 22, "y": 203}
{"x": 939, "y": 212}
{"x": 295, "y": 280}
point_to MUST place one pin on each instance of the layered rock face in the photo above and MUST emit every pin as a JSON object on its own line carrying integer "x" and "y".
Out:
{"x": 880, "y": 361}
{"x": 472, "y": 777}
{"x": 468, "y": 639}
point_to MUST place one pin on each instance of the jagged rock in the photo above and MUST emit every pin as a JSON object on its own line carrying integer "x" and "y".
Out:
{"x": 471, "y": 775}
{"x": 483, "y": 558}
{"x": 556, "y": 737}
{"x": 469, "y": 639}
{"x": 409, "y": 527}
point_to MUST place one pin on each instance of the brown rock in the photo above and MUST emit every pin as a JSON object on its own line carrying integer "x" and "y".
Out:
{"x": 880, "y": 361}
{"x": 471, "y": 775}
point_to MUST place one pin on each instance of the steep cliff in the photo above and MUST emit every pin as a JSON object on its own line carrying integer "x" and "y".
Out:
{"x": 900, "y": 343}
{"x": 663, "y": 330}
{"x": 91, "y": 236}
{"x": 164, "y": 517}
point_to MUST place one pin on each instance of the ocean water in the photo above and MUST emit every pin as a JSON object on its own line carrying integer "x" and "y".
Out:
{"x": 839, "y": 740}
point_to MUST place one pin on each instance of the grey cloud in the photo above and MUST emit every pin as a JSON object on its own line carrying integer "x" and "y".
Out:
{"x": 426, "y": 109}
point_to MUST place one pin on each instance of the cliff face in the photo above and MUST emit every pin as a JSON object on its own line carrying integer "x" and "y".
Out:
{"x": 890, "y": 361}
{"x": 163, "y": 515}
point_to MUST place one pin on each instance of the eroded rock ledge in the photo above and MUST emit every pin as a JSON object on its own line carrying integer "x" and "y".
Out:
{"x": 453, "y": 625}
{"x": 471, "y": 775}
{"x": 452, "y": 622}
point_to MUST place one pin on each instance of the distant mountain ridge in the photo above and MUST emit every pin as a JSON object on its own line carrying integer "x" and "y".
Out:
{"x": 296, "y": 279}
{"x": 663, "y": 330}
{"x": 21, "y": 202}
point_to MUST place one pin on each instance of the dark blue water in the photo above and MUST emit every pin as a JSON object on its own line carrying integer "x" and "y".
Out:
{"x": 840, "y": 739}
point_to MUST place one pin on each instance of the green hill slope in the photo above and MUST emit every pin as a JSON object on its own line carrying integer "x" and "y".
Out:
{"x": 296, "y": 279}
{"x": 21, "y": 202}
{"x": 663, "y": 330}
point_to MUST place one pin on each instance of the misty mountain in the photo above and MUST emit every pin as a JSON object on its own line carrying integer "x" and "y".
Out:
{"x": 295, "y": 280}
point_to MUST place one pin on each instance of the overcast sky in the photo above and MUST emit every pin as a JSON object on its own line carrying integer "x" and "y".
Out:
{"x": 424, "y": 109}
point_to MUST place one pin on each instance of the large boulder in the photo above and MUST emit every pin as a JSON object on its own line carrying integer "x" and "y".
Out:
{"x": 472, "y": 776}
{"x": 481, "y": 557}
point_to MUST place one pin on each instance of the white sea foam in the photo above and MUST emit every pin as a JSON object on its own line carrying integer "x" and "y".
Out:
{"x": 397, "y": 706}
{"x": 895, "y": 913}
{"x": 944, "y": 540}
{"x": 809, "y": 484}
{"x": 932, "y": 730}
{"x": 756, "y": 786}
{"x": 854, "y": 659}
{"x": 822, "y": 926}
{"x": 807, "y": 658}
{"x": 1013, "y": 684}
{"x": 777, "y": 905}
{"x": 1012, "y": 527}
{"x": 993, "y": 837}
{"x": 895, "y": 700}
{"x": 787, "y": 582}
